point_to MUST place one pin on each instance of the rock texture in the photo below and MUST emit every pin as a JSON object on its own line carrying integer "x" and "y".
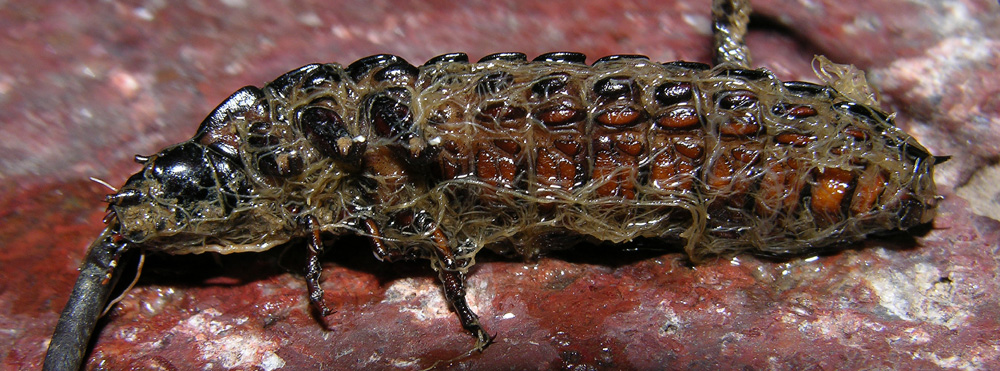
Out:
{"x": 83, "y": 87}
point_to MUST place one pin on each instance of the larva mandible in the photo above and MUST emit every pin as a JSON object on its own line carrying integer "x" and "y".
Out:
{"x": 440, "y": 161}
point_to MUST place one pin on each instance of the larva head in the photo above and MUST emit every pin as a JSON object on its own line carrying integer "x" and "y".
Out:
{"x": 234, "y": 185}
{"x": 186, "y": 194}
{"x": 183, "y": 194}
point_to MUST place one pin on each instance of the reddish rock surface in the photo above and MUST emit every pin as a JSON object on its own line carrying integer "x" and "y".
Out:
{"x": 84, "y": 87}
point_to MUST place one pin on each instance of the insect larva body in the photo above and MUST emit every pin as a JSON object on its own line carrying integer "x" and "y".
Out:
{"x": 496, "y": 153}
{"x": 440, "y": 161}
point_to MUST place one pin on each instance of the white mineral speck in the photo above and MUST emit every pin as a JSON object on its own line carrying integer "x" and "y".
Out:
{"x": 143, "y": 13}
{"x": 309, "y": 19}
{"x": 235, "y": 3}
{"x": 916, "y": 295}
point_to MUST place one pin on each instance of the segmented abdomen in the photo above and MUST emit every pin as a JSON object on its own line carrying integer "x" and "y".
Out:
{"x": 509, "y": 153}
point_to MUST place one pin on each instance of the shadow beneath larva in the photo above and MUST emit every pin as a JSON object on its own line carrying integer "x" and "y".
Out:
{"x": 619, "y": 255}
{"x": 354, "y": 254}
{"x": 213, "y": 269}
{"x": 897, "y": 241}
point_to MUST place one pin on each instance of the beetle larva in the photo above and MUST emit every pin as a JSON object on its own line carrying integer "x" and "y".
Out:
{"x": 440, "y": 161}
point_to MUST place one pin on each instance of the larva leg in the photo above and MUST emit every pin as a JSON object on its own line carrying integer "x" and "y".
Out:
{"x": 729, "y": 27}
{"x": 313, "y": 267}
{"x": 382, "y": 251}
{"x": 454, "y": 291}
{"x": 453, "y": 280}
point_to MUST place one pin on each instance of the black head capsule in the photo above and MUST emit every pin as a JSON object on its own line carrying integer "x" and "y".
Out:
{"x": 182, "y": 184}
{"x": 183, "y": 173}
